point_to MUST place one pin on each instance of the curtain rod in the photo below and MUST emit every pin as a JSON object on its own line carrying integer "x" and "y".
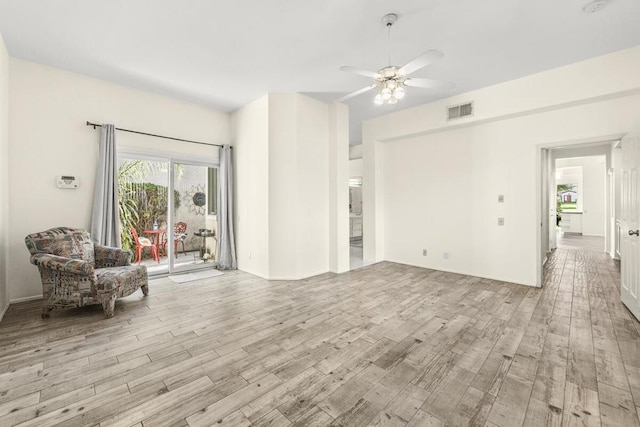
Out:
{"x": 95, "y": 125}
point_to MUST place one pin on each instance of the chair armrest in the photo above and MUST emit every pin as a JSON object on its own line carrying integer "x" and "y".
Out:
{"x": 106, "y": 256}
{"x": 67, "y": 265}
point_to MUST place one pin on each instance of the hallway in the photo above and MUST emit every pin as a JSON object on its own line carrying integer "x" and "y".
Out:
{"x": 592, "y": 340}
{"x": 572, "y": 241}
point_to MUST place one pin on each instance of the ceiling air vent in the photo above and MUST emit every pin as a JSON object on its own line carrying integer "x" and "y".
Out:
{"x": 459, "y": 111}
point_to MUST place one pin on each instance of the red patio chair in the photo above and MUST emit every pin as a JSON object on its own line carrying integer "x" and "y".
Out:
{"x": 143, "y": 242}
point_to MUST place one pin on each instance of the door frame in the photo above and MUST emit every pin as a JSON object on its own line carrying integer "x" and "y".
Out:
{"x": 170, "y": 215}
{"x": 542, "y": 226}
{"x": 146, "y": 156}
{"x": 171, "y": 159}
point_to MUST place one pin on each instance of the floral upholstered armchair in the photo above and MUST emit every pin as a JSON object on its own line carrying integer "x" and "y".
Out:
{"x": 75, "y": 272}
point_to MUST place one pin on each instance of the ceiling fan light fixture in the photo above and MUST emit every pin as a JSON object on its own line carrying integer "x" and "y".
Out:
{"x": 389, "y": 82}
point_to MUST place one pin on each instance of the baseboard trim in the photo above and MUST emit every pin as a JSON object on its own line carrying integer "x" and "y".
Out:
{"x": 298, "y": 277}
{"x": 4, "y": 310}
{"x": 466, "y": 273}
{"x": 287, "y": 278}
{"x": 25, "y": 299}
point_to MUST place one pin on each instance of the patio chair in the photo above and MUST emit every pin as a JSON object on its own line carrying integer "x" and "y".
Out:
{"x": 75, "y": 272}
{"x": 179, "y": 236}
{"x": 141, "y": 243}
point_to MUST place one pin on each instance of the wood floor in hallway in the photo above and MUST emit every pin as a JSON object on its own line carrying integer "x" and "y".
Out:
{"x": 580, "y": 242}
{"x": 384, "y": 345}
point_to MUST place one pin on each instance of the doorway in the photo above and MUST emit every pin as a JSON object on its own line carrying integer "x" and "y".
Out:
{"x": 581, "y": 202}
{"x": 168, "y": 212}
{"x": 355, "y": 222}
{"x": 194, "y": 218}
{"x": 566, "y": 165}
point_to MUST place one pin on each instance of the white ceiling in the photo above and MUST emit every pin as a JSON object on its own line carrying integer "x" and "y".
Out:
{"x": 226, "y": 54}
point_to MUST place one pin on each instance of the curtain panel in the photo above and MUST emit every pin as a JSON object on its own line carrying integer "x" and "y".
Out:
{"x": 226, "y": 246}
{"x": 105, "y": 222}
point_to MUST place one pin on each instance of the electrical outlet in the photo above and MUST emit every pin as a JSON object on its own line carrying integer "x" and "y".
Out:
{"x": 424, "y": 252}
{"x": 500, "y": 221}
{"x": 445, "y": 255}
{"x": 501, "y": 198}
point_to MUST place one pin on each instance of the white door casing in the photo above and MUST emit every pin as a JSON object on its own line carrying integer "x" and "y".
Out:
{"x": 544, "y": 223}
{"x": 630, "y": 221}
{"x": 552, "y": 195}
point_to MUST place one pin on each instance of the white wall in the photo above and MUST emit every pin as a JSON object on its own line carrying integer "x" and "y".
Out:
{"x": 312, "y": 188}
{"x": 49, "y": 108}
{"x": 355, "y": 168}
{"x": 338, "y": 188}
{"x": 290, "y": 151}
{"x": 283, "y": 186}
{"x": 298, "y": 186}
{"x": 355, "y": 152}
{"x": 250, "y": 139}
{"x": 434, "y": 185}
{"x": 4, "y": 178}
{"x": 594, "y": 200}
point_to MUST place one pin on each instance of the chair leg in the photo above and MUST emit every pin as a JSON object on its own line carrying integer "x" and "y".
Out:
{"x": 175, "y": 248}
{"x": 155, "y": 250}
{"x": 45, "y": 312}
{"x": 139, "y": 254}
{"x": 109, "y": 306}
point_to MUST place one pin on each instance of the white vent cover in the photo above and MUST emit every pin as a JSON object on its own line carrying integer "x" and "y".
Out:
{"x": 459, "y": 111}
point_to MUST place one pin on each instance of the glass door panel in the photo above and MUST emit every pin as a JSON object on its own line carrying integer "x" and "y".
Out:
{"x": 193, "y": 241}
{"x": 143, "y": 187}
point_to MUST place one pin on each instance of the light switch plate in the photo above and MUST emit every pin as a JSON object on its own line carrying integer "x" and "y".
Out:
{"x": 500, "y": 221}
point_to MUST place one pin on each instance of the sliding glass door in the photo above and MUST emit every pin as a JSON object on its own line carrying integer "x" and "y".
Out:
{"x": 194, "y": 216}
{"x": 143, "y": 191}
{"x": 167, "y": 212}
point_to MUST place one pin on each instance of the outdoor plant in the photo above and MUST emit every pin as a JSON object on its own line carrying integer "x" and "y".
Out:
{"x": 141, "y": 202}
{"x": 152, "y": 201}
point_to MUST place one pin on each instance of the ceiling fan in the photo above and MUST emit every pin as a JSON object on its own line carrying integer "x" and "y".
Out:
{"x": 391, "y": 80}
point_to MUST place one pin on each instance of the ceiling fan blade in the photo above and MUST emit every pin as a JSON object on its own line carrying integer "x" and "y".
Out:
{"x": 356, "y": 93}
{"x": 360, "y": 71}
{"x": 421, "y": 61}
{"x": 429, "y": 84}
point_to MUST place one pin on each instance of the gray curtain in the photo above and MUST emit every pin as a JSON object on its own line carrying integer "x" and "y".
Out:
{"x": 105, "y": 224}
{"x": 226, "y": 248}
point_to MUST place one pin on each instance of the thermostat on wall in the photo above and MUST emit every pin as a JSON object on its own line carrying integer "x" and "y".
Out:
{"x": 67, "y": 181}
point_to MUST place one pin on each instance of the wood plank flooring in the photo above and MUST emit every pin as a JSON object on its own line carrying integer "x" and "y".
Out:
{"x": 385, "y": 345}
{"x": 580, "y": 242}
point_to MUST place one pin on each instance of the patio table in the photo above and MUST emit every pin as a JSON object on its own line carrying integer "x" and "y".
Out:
{"x": 154, "y": 236}
{"x": 204, "y": 234}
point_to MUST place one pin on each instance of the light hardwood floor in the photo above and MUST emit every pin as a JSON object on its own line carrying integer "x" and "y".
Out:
{"x": 385, "y": 345}
{"x": 580, "y": 242}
